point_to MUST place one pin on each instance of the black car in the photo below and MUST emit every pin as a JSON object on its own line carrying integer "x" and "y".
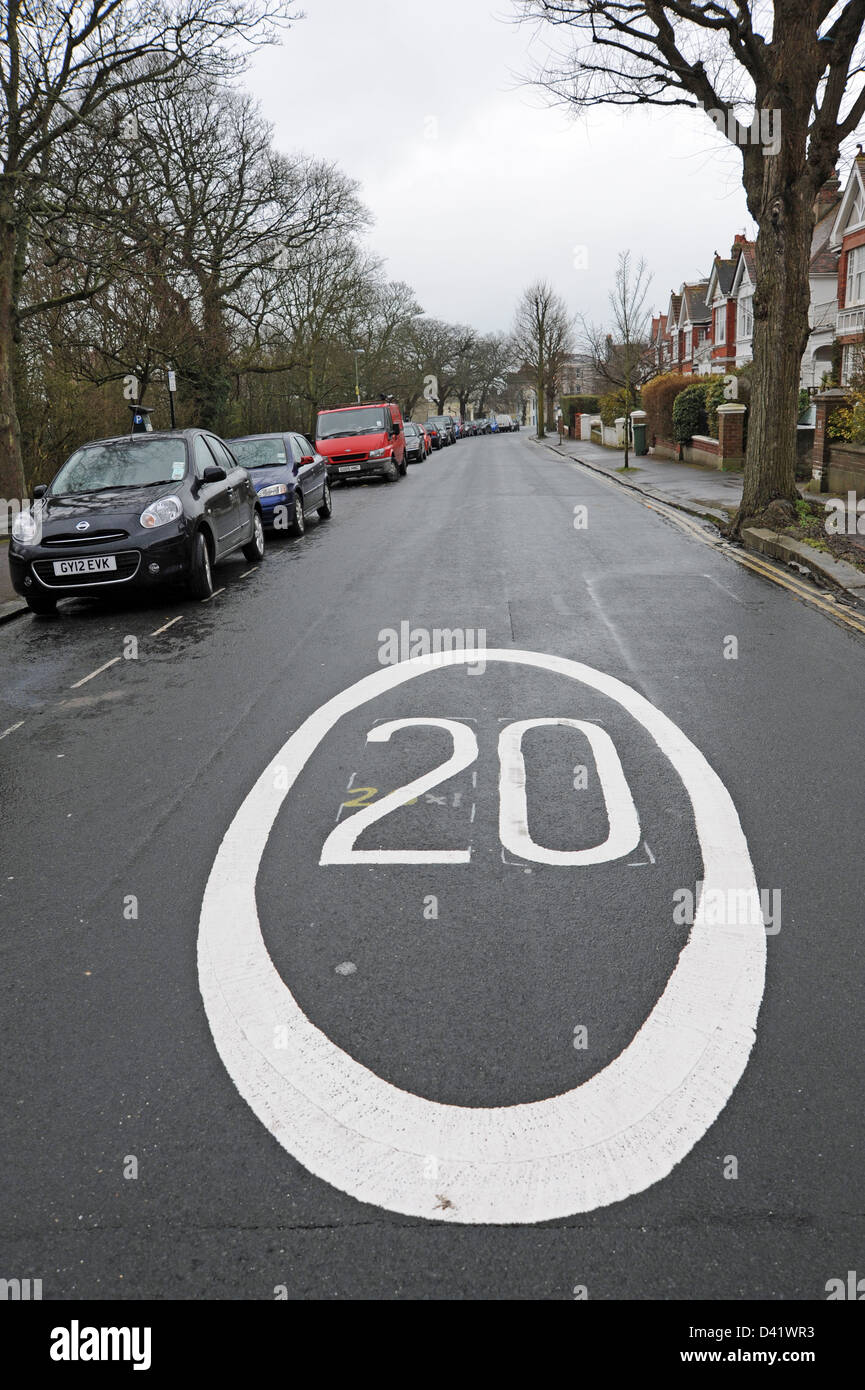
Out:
{"x": 415, "y": 444}
{"x": 435, "y": 435}
{"x": 445, "y": 426}
{"x": 132, "y": 513}
{"x": 483, "y": 426}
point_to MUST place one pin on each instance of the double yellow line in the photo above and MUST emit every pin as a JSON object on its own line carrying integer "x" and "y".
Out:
{"x": 757, "y": 563}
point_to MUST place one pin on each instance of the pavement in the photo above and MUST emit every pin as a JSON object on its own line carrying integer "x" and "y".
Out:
{"x": 697, "y": 488}
{"x": 412, "y": 1048}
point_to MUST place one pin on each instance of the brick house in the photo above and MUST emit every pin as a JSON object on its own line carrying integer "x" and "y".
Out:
{"x": 671, "y": 343}
{"x": 719, "y": 355}
{"x": 694, "y": 324}
{"x": 742, "y": 290}
{"x": 848, "y": 240}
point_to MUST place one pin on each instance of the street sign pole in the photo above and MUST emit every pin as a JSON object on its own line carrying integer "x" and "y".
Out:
{"x": 172, "y": 387}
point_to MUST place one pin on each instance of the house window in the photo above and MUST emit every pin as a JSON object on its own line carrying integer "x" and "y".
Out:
{"x": 858, "y": 211}
{"x": 746, "y": 316}
{"x": 856, "y": 276}
{"x": 687, "y": 342}
{"x": 852, "y": 363}
{"x": 721, "y": 324}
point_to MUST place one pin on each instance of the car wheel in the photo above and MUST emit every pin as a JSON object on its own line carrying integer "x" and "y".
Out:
{"x": 201, "y": 569}
{"x": 254, "y": 552}
{"x": 326, "y": 508}
{"x": 298, "y": 520}
{"x": 393, "y": 473}
{"x": 43, "y": 605}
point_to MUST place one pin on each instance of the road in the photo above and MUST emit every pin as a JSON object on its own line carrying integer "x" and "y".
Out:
{"x": 182, "y": 1132}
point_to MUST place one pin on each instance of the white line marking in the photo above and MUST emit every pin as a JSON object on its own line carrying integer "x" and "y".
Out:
{"x": 215, "y": 594}
{"x": 247, "y": 573}
{"x": 339, "y": 848}
{"x": 622, "y": 1130}
{"x": 624, "y": 824}
{"x": 12, "y": 728}
{"x": 98, "y": 672}
{"x": 166, "y": 626}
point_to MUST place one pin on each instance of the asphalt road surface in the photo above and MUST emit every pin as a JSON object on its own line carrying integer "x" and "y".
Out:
{"x": 263, "y": 1031}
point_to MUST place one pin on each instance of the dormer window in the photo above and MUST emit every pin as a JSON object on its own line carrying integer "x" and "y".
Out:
{"x": 858, "y": 210}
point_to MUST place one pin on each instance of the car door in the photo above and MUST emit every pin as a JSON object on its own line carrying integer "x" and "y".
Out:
{"x": 241, "y": 490}
{"x": 217, "y": 499}
{"x": 311, "y": 471}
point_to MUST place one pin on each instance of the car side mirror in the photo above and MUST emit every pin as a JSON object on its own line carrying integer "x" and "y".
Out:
{"x": 40, "y": 490}
{"x": 214, "y": 474}
{"x": 307, "y": 458}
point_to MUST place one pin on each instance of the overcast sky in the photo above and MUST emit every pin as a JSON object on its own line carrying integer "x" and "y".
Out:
{"x": 476, "y": 184}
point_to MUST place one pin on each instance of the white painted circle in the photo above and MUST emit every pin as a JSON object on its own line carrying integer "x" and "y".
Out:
{"x": 614, "y": 1135}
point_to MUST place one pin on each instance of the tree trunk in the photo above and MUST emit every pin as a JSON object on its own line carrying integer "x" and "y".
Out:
{"x": 780, "y": 335}
{"x": 11, "y": 468}
{"x": 541, "y": 386}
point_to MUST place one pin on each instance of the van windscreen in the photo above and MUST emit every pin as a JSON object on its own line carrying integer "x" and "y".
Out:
{"x": 338, "y": 424}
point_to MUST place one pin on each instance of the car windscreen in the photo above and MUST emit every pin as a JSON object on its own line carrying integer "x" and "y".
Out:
{"x": 121, "y": 463}
{"x": 259, "y": 453}
{"x": 337, "y": 424}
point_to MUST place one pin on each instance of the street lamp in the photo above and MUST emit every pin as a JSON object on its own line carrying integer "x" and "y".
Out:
{"x": 358, "y": 352}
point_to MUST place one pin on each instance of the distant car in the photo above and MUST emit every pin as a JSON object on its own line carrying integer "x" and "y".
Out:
{"x": 504, "y": 424}
{"x": 289, "y": 476}
{"x": 482, "y": 425}
{"x": 135, "y": 512}
{"x": 445, "y": 426}
{"x": 436, "y": 437}
{"x": 516, "y": 424}
{"x": 415, "y": 444}
{"x": 426, "y": 438}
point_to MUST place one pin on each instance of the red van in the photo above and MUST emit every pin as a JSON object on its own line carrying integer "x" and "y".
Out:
{"x": 366, "y": 440}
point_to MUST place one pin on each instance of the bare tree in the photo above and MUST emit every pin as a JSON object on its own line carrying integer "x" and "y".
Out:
{"x": 61, "y": 65}
{"x": 624, "y": 357}
{"x": 543, "y": 339}
{"x": 798, "y": 65}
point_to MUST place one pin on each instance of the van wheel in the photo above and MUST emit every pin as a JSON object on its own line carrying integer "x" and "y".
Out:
{"x": 200, "y": 571}
{"x": 393, "y": 473}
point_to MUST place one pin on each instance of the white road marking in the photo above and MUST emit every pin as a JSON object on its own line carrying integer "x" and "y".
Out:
{"x": 247, "y": 573}
{"x": 166, "y": 626}
{"x": 624, "y": 824}
{"x": 215, "y": 594}
{"x": 12, "y": 728}
{"x": 339, "y": 848}
{"x": 98, "y": 672}
{"x": 622, "y": 1130}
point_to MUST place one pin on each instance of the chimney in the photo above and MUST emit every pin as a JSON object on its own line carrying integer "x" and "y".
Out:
{"x": 827, "y": 195}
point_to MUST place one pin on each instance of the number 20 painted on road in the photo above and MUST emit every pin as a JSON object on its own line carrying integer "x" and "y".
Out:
{"x": 624, "y": 826}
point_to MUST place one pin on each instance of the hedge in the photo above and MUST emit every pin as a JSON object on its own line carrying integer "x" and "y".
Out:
{"x": 689, "y": 411}
{"x": 614, "y": 405}
{"x": 658, "y": 396}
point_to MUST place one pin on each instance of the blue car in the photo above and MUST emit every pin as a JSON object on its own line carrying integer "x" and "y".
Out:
{"x": 288, "y": 475}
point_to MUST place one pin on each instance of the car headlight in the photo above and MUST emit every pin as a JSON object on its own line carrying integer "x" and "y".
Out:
{"x": 161, "y": 512}
{"x": 25, "y": 528}
{"x": 277, "y": 490}
{"x": 379, "y": 453}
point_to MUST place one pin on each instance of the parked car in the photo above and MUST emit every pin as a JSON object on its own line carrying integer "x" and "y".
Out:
{"x": 289, "y": 476}
{"x": 482, "y": 425}
{"x": 445, "y": 426}
{"x": 362, "y": 441}
{"x": 504, "y": 424}
{"x": 135, "y": 512}
{"x": 436, "y": 437}
{"x": 415, "y": 443}
{"x": 516, "y": 424}
{"x": 427, "y": 440}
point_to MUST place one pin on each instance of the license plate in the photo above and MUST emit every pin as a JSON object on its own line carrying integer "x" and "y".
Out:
{"x": 349, "y": 468}
{"x": 93, "y": 564}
